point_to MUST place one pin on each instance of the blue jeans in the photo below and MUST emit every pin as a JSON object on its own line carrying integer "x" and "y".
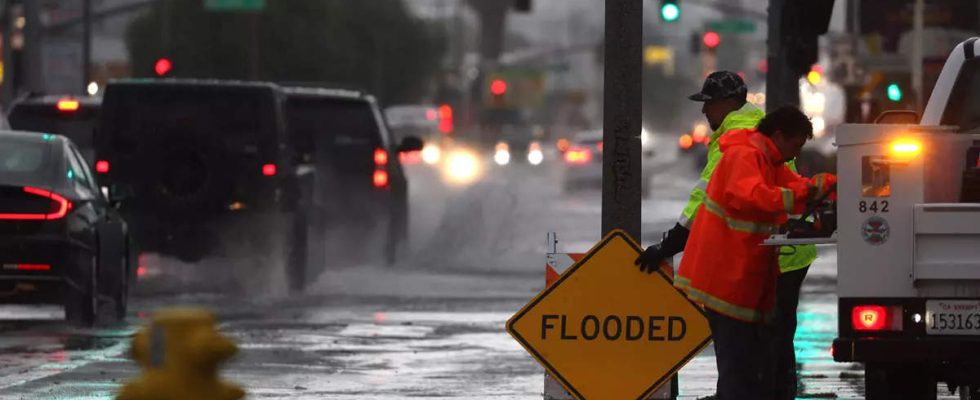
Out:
{"x": 742, "y": 355}
{"x": 783, "y": 331}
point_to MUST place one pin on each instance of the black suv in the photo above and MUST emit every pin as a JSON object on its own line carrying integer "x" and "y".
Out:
{"x": 66, "y": 115}
{"x": 359, "y": 188}
{"x": 208, "y": 168}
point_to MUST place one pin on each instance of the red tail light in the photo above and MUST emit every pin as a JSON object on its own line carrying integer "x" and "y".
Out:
{"x": 102, "y": 167}
{"x": 68, "y": 105}
{"x": 33, "y": 267}
{"x": 445, "y": 119}
{"x": 410, "y": 158}
{"x": 59, "y": 209}
{"x": 685, "y": 142}
{"x": 380, "y": 157}
{"x": 876, "y": 318}
{"x": 269, "y": 169}
{"x": 578, "y": 155}
{"x": 380, "y": 179}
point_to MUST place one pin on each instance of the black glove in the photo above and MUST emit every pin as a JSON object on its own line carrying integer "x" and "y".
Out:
{"x": 673, "y": 243}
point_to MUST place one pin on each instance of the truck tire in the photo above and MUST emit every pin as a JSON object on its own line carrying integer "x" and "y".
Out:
{"x": 909, "y": 382}
{"x": 113, "y": 269}
{"x": 81, "y": 303}
{"x": 298, "y": 253}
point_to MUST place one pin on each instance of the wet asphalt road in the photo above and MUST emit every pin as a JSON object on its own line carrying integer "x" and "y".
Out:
{"x": 430, "y": 327}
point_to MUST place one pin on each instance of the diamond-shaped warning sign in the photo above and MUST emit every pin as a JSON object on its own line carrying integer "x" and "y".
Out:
{"x": 606, "y": 330}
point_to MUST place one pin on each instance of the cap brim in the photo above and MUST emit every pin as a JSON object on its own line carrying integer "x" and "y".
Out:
{"x": 699, "y": 97}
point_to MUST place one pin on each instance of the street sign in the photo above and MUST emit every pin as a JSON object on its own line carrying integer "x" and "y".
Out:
{"x": 605, "y": 330}
{"x": 234, "y": 5}
{"x": 732, "y": 26}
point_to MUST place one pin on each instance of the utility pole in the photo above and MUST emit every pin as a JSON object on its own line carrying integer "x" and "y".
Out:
{"x": 33, "y": 66}
{"x": 917, "y": 50}
{"x": 86, "y": 44}
{"x": 8, "y": 91}
{"x": 622, "y": 114}
{"x": 782, "y": 84}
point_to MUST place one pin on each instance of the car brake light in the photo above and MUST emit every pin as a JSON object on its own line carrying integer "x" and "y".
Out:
{"x": 380, "y": 157}
{"x": 380, "y": 179}
{"x": 62, "y": 206}
{"x": 269, "y": 169}
{"x": 68, "y": 105}
{"x": 578, "y": 155}
{"x": 33, "y": 267}
{"x": 686, "y": 141}
{"x": 102, "y": 167}
{"x": 876, "y": 318}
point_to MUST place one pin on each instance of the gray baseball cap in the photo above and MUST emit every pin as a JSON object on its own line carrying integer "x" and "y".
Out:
{"x": 721, "y": 85}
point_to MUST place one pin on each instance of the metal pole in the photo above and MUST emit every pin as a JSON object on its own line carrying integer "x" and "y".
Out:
{"x": 917, "y": 50}
{"x": 86, "y": 44}
{"x": 782, "y": 85}
{"x": 33, "y": 60}
{"x": 9, "y": 68}
{"x": 254, "y": 62}
{"x": 622, "y": 116}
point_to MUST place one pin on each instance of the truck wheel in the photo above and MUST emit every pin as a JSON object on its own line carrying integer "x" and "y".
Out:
{"x": 396, "y": 235}
{"x": 121, "y": 297}
{"x": 81, "y": 304}
{"x": 297, "y": 253}
{"x": 898, "y": 382}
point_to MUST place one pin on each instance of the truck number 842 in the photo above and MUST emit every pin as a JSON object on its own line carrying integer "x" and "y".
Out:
{"x": 874, "y": 206}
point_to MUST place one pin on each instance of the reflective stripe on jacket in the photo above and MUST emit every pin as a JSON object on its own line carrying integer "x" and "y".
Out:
{"x": 751, "y": 192}
{"x": 791, "y": 258}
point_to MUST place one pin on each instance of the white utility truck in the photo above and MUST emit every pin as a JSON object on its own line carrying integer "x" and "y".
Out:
{"x": 908, "y": 239}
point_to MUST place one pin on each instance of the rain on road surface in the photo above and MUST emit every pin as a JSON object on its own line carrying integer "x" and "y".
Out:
{"x": 430, "y": 327}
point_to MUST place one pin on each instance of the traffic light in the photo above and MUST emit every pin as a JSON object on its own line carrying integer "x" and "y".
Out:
{"x": 670, "y": 10}
{"x": 815, "y": 76}
{"x": 498, "y": 88}
{"x": 163, "y": 66}
{"x": 894, "y": 92}
{"x": 711, "y": 40}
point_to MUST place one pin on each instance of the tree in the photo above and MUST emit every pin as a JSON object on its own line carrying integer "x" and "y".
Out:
{"x": 376, "y": 45}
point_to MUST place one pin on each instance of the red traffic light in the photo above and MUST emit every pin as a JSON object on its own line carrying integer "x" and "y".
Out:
{"x": 711, "y": 39}
{"x": 498, "y": 87}
{"x": 163, "y": 66}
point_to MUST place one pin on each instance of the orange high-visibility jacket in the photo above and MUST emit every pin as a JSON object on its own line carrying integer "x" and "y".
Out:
{"x": 725, "y": 267}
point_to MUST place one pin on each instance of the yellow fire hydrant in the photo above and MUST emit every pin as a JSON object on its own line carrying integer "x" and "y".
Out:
{"x": 179, "y": 353}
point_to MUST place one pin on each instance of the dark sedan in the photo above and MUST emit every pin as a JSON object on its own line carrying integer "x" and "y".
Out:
{"x": 60, "y": 240}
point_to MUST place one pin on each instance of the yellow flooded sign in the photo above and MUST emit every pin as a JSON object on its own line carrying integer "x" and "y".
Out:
{"x": 606, "y": 330}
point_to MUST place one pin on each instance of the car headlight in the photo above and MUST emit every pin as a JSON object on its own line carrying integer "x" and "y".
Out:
{"x": 462, "y": 167}
{"x": 646, "y": 139}
{"x": 535, "y": 157}
{"x": 431, "y": 154}
{"x": 501, "y": 154}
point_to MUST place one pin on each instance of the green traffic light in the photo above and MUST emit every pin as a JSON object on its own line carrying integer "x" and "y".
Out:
{"x": 894, "y": 92}
{"x": 670, "y": 12}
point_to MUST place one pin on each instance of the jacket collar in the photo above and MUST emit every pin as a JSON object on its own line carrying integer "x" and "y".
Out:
{"x": 747, "y": 116}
